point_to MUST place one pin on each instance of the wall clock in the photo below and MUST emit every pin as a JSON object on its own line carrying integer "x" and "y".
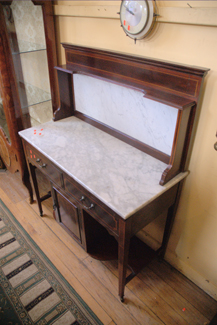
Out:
{"x": 137, "y": 17}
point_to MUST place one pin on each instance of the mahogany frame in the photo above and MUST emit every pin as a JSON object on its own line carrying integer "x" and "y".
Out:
{"x": 172, "y": 84}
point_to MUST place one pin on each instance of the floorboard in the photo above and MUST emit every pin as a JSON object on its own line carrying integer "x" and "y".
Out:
{"x": 193, "y": 294}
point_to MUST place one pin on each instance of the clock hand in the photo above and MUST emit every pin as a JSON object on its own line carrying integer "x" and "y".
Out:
{"x": 131, "y": 12}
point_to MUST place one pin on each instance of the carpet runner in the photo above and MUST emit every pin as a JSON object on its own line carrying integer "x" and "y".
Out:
{"x": 32, "y": 291}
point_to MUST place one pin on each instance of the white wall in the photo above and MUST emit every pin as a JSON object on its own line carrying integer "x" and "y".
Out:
{"x": 188, "y": 36}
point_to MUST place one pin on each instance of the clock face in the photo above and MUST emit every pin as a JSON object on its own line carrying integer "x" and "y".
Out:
{"x": 137, "y": 17}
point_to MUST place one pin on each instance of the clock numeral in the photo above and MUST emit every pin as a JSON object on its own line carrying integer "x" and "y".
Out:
{"x": 124, "y": 22}
{"x": 128, "y": 28}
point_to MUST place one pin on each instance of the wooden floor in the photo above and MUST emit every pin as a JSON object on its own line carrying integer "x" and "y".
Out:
{"x": 159, "y": 295}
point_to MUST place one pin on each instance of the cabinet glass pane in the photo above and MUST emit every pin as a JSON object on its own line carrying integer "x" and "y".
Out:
{"x": 3, "y": 122}
{"x": 27, "y": 40}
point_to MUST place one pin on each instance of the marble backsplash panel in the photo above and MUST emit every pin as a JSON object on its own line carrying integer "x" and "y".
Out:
{"x": 126, "y": 110}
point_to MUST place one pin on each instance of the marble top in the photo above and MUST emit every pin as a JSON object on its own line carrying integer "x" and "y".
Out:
{"x": 123, "y": 177}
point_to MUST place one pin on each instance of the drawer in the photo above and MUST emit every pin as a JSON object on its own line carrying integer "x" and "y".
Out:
{"x": 44, "y": 165}
{"x": 92, "y": 205}
{"x": 66, "y": 213}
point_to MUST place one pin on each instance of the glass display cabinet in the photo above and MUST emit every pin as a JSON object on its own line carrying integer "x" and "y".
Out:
{"x": 28, "y": 82}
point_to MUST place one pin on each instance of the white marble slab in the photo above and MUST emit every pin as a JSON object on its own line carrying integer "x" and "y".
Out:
{"x": 122, "y": 177}
{"x": 126, "y": 110}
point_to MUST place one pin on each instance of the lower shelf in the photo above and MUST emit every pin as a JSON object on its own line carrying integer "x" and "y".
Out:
{"x": 140, "y": 255}
{"x": 99, "y": 243}
{"x": 103, "y": 246}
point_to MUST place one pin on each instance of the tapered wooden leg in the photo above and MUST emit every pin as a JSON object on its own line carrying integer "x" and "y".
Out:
{"x": 169, "y": 223}
{"x": 27, "y": 183}
{"x": 167, "y": 231}
{"x": 35, "y": 185}
{"x": 123, "y": 252}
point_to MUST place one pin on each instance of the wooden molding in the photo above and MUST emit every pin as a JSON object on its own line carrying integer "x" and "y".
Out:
{"x": 124, "y": 137}
{"x": 202, "y": 16}
{"x": 157, "y": 78}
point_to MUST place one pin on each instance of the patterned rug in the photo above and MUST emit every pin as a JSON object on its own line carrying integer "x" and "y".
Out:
{"x": 32, "y": 291}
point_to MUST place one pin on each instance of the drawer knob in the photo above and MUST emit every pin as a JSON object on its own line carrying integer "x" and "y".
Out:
{"x": 43, "y": 165}
{"x": 87, "y": 208}
{"x": 38, "y": 160}
{"x": 90, "y": 207}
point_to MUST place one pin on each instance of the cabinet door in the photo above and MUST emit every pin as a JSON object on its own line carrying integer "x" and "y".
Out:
{"x": 25, "y": 30}
{"x": 4, "y": 137}
{"x": 67, "y": 213}
{"x": 11, "y": 150}
{"x": 28, "y": 81}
